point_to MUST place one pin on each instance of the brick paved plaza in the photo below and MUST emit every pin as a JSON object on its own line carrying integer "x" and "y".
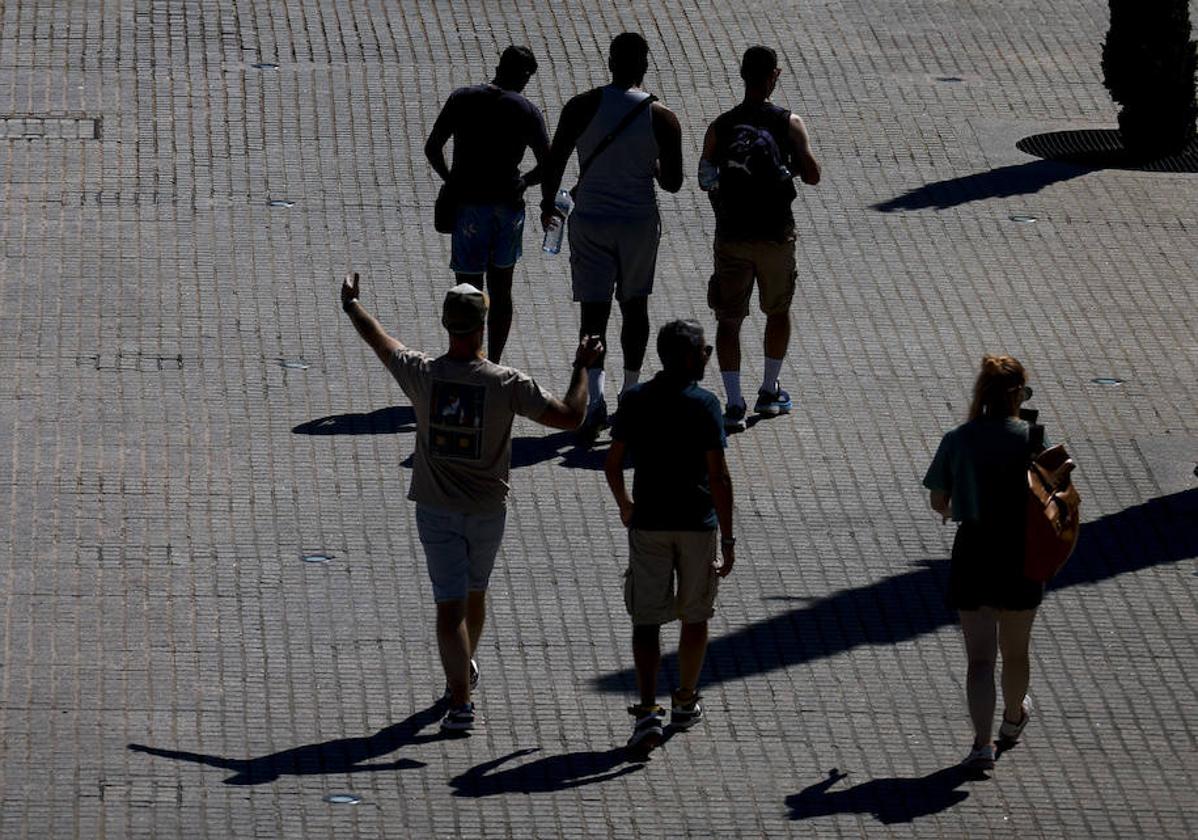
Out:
{"x": 186, "y": 414}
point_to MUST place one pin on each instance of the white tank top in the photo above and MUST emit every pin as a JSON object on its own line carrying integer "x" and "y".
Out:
{"x": 619, "y": 184}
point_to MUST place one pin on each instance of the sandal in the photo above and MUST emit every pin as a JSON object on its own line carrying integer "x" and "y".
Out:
{"x": 1010, "y": 732}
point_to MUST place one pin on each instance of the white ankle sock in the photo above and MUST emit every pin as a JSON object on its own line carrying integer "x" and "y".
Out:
{"x": 732, "y": 386}
{"x": 595, "y": 385}
{"x": 631, "y": 377}
{"x": 769, "y": 379}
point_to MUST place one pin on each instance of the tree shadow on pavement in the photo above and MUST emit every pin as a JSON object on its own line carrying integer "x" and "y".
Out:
{"x": 894, "y": 800}
{"x": 1156, "y": 533}
{"x": 1003, "y": 182}
{"x": 545, "y": 775}
{"x": 383, "y": 421}
{"x": 343, "y": 755}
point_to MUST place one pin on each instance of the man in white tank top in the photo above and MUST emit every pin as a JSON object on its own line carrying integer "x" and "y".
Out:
{"x": 615, "y": 228}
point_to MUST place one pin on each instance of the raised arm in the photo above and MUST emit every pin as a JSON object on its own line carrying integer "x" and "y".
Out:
{"x": 808, "y": 168}
{"x": 569, "y": 413}
{"x": 668, "y": 133}
{"x": 576, "y": 116}
{"x": 721, "y": 496}
{"x": 367, "y": 326}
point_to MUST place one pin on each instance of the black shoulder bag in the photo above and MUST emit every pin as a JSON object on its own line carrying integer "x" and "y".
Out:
{"x": 624, "y": 122}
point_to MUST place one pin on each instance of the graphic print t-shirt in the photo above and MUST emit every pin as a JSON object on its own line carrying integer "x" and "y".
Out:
{"x": 464, "y": 412}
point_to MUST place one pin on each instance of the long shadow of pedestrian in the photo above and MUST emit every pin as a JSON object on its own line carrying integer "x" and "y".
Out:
{"x": 896, "y": 800}
{"x": 1160, "y": 531}
{"x": 383, "y": 421}
{"x": 343, "y": 755}
{"x": 1003, "y": 182}
{"x": 545, "y": 775}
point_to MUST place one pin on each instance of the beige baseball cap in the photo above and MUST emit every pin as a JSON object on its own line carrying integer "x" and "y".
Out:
{"x": 465, "y": 309}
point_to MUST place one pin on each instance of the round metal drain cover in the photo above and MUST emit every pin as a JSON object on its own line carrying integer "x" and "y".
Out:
{"x": 293, "y": 364}
{"x": 266, "y": 65}
{"x": 1103, "y": 149}
{"x": 1106, "y": 380}
{"x": 1023, "y": 219}
{"x": 281, "y": 202}
{"x": 317, "y": 558}
{"x": 343, "y": 799}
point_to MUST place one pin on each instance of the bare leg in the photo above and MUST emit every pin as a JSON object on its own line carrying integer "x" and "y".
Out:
{"x": 646, "y": 654}
{"x": 1014, "y": 638}
{"x": 777, "y": 336}
{"x": 634, "y": 334}
{"x": 476, "y": 616}
{"x": 692, "y": 646}
{"x": 454, "y": 645}
{"x": 980, "y": 628}
{"x": 727, "y": 343}
{"x": 499, "y": 317}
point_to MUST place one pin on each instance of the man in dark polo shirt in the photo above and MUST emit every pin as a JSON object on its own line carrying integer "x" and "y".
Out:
{"x": 673, "y": 432}
{"x": 491, "y": 125}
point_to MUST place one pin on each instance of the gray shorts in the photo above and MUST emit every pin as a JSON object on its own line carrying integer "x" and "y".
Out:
{"x": 459, "y": 549}
{"x": 671, "y": 575}
{"x": 613, "y": 257}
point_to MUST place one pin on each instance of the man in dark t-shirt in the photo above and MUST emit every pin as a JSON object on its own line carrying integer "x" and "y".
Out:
{"x": 491, "y": 125}
{"x": 749, "y": 155}
{"x": 672, "y": 430}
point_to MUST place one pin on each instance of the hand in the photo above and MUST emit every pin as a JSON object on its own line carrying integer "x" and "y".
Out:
{"x": 626, "y": 513}
{"x": 728, "y": 559}
{"x": 349, "y": 289}
{"x": 547, "y": 217}
{"x": 590, "y": 348}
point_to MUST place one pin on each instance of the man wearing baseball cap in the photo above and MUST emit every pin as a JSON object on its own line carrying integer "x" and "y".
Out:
{"x": 464, "y": 407}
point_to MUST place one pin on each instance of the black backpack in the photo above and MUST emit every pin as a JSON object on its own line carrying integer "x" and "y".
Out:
{"x": 752, "y": 170}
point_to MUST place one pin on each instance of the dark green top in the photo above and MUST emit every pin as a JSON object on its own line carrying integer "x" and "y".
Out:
{"x": 982, "y": 466}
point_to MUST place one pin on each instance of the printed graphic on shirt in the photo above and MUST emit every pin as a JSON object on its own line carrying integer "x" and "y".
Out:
{"x": 456, "y": 420}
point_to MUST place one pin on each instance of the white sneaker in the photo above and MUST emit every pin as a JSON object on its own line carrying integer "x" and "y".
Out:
{"x": 1010, "y": 732}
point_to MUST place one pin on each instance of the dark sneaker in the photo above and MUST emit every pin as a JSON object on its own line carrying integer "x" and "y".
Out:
{"x": 596, "y": 421}
{"x": 648, "y": 730}
{"x": 734, "y": 418}
{"x": 685, "y": 715}
{"x": 980, "y": 758}
{"x": 773, "y": 404}
{"x": 459, "y": 718}
{"x": 448, "y": 695}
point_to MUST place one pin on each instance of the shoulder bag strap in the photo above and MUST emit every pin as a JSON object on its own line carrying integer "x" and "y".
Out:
{"x": 611, "y": 135}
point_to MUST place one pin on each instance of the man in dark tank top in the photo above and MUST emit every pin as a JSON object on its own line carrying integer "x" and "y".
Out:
{"x": 750, "y": 155}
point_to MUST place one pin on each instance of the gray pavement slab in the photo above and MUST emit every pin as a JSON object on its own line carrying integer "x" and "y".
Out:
{"x": 171, "y": 667}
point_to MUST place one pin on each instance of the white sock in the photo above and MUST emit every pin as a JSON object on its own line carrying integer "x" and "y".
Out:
{"x": 769, "y": 380}
{"x": 732, "y": 386}
{"x": 631, "y": 377}
{"x": 595, "y": 385}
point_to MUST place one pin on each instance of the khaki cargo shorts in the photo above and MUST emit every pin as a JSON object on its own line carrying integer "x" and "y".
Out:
{"x": 739, "y": 264}
{"x": 671, "y": 575}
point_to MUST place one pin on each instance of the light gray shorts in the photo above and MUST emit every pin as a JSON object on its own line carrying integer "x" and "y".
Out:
{"x": 459, "y": 549}
{"x": 612, "y": 257}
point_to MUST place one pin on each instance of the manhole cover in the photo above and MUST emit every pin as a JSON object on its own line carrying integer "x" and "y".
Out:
{"x": 266, "y": 65}
{"x": 1022, "y": 218}
{"x": 281, "y": 202}
{"x": 1106, "y": 380}
{"x": 1103, "y": 149}
{"x": 293, "y": 364}
{"x": 342, "y": 799}
{"x": 317, "y": 558}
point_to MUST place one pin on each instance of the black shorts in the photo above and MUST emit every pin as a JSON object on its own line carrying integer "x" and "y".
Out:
{"x": 986, "y": 569}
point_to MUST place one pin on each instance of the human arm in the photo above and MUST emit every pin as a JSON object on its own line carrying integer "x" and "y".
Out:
{"x": 709, "y": 172}
{"x": 538, "y": 141}
{"x": 613, "y": 469}
{"x": 668, "y": 133}
{"x": 569, "y": 412}
{"x": 720, "y": 481}
{"x": 941, "y": 503}
{"x": 809, "y": 170}
{"x": 367, "y": 326}
{"x": 434, "y": 147}
{"x": 576, "y": 116}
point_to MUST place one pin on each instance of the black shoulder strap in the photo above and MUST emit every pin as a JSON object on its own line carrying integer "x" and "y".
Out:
{"x": 624, "y": 122}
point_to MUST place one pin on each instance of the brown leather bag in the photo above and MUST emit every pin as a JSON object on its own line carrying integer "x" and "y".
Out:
{"x": 1053, "y": 518}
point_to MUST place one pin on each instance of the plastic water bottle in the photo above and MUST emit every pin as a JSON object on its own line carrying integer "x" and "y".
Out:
{"x": 563, "y": 204}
